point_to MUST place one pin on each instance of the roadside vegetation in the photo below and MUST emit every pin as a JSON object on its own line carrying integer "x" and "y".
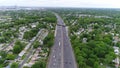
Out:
{"x": 94, "y": 35}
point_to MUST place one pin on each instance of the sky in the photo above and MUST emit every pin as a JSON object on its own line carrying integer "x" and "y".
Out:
{"x": 63, "y": 3}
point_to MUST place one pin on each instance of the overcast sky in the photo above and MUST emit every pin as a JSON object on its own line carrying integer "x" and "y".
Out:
{"x": 63, "y": 3}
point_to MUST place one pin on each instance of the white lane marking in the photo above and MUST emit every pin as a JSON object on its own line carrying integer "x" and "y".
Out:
{"x": 54, "y": 56}
{"x": 59, "y": 43}
{"x": 54, "y": 64}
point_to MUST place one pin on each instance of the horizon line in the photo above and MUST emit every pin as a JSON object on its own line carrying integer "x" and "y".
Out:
{"x": 58, "y": 7}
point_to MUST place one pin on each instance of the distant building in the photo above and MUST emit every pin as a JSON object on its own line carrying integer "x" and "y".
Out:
{"x": 84, "y": 40}
{"x": 116, "y": 50}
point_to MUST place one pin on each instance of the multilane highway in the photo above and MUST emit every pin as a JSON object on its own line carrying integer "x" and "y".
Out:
{"x": 61, "y": 54}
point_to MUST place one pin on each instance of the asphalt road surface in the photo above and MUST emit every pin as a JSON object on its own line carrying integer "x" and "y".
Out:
{"x": 61, "y": 54}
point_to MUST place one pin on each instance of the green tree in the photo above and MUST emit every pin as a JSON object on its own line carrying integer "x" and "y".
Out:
{"x": 109, "y": 57}
{"x": 48, "y": 41}
{"x": 16, "y": 49}
{"x": 26, "y": 67}
{"x": 96, "y": 65}
{"x": 39, "y": 64}
{"x": 1, "y": 66}
{"x": 14, "y": 65}
{"x": 36, "y": 44}
{"x": 107, "y": 40}
{"x": 10, "y": 57}
{"x": 2, "y": 40}
{"x": 30, "y": 34}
